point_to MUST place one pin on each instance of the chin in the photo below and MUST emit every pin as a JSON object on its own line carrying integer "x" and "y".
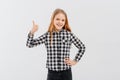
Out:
{"x": 59, "y": 28}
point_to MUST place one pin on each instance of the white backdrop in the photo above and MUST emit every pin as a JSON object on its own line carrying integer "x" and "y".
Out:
{"x": 95, "y": 22}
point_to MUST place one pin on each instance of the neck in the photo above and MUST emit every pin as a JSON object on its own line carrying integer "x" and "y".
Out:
{"x": 57, "y": 30}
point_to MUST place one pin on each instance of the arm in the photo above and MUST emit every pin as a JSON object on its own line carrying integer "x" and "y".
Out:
{"x": 34, "y": 42}
{"x": 79, "y": 45}
{"x": 31, "y": 42}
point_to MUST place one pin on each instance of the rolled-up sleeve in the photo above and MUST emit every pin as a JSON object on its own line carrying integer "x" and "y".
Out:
{"x": 31, "y": 42}
{"x": 77, "y": 42}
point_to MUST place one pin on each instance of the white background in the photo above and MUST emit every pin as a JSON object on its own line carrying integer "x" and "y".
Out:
{"x": 95, "y": 22}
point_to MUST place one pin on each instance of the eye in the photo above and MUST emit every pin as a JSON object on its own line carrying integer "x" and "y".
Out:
{"x": 57, "y": 19}
{"x": 63, "y": 20}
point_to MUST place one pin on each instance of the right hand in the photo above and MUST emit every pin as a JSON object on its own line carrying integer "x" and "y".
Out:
{"x": 35, "y": 28}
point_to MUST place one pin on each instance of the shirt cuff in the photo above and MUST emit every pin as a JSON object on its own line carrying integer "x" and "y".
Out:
{"x": 77, "y": 60}
{"x": 30, "y": 35}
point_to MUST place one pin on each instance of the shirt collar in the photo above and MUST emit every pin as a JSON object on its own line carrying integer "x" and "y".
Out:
{"x": 58, "y": 31}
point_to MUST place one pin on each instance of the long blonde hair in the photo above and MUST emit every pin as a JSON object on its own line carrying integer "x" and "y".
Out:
{"x": 52, "y": 27}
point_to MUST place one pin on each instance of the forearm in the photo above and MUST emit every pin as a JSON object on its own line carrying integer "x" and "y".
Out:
{"x": 35, "y": 42}
{"x": 30, "y": 40}
{"x": 80, "y": 52}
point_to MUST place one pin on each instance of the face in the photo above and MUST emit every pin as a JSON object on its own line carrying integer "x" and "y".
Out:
{"x": 59, "y": 21}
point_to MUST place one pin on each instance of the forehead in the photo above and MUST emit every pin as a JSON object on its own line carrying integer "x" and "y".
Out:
{"x": 60, "y": 15}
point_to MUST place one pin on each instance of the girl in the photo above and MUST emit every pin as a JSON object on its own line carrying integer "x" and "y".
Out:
{"x": 58, "y": 40}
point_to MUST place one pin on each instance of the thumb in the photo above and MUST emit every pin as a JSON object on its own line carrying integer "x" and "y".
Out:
{"x": 33, "y": 22}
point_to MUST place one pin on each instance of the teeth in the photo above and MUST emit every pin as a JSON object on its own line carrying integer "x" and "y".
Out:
{"x": 59, "y": 25}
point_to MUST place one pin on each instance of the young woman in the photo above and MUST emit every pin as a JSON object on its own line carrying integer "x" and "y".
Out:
{"x": 58, "y": 40}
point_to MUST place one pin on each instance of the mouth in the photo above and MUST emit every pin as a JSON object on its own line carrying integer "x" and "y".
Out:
{"x": 59, "y": 25}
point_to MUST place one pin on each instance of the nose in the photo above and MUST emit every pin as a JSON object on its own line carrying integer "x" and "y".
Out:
{"x": 60, "y": 21}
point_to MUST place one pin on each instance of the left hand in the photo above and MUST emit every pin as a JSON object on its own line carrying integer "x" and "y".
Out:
{"x": 70, "y": 62}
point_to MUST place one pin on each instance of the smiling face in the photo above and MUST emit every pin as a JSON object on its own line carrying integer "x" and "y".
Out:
{"x": 59, "y": 21}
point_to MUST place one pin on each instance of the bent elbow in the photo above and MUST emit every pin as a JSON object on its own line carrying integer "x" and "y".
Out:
{"x": 29, "y": 46}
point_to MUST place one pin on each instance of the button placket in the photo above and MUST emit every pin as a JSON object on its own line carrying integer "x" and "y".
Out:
{"x": 59, "y": 50}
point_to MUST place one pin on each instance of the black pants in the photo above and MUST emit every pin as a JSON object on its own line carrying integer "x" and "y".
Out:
{"x": 59, "y": 75}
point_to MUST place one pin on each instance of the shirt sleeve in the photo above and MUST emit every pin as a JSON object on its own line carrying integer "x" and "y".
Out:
{"x": 31, "y": 42}
{"x": 79, "y": 45}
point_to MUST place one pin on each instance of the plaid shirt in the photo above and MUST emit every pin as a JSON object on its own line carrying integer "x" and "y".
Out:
{"x": 60, "y": 48}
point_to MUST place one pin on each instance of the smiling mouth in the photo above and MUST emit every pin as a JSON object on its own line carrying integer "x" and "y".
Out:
{"x": 59, "y": 25}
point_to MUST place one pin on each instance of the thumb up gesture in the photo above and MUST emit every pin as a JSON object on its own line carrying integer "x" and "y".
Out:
{"x": 34, "y": 28}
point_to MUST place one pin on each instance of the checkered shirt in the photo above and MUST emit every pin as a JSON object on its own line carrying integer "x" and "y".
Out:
{"x": 60, "y": 48}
